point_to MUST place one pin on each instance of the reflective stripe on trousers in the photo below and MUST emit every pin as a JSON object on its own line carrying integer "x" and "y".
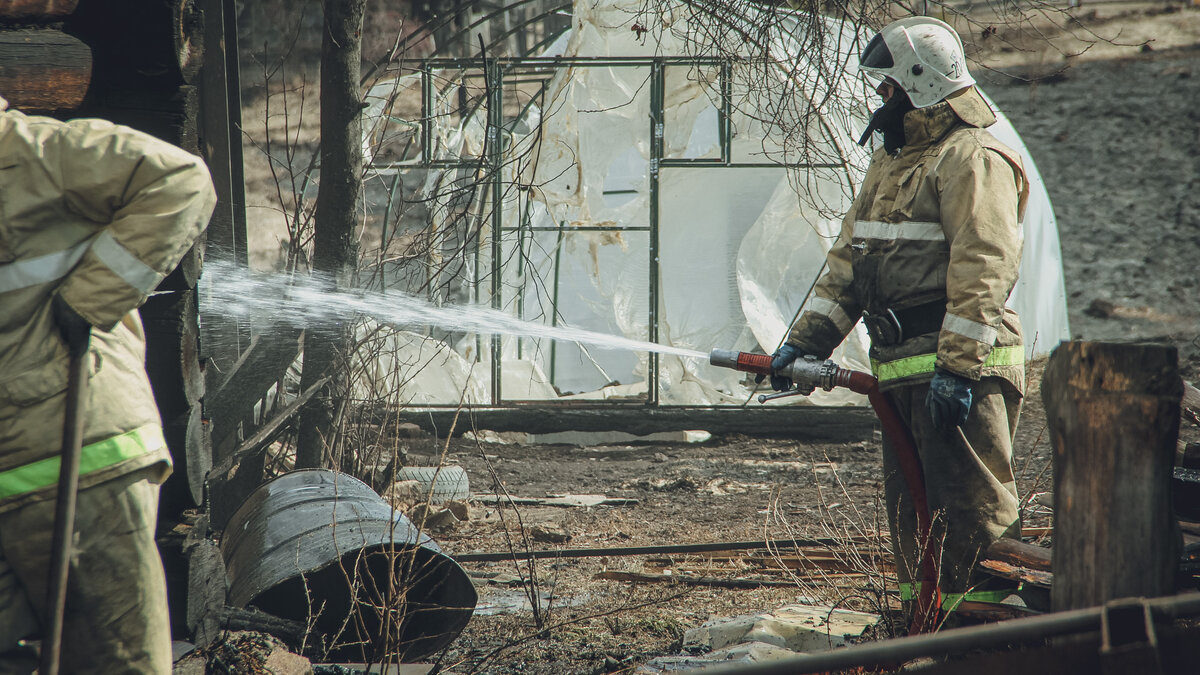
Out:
{"x": 95, "y": 456}
{"x": 924, "y": 363}
{"x": 951, "y": 601}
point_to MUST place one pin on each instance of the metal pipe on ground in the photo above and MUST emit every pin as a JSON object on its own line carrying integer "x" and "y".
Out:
{"x": 889, "y": 653}
{"x": 497, "y": 556}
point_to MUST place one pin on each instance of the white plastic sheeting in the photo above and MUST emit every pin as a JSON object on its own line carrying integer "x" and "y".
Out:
{"x": 738, "y": 248}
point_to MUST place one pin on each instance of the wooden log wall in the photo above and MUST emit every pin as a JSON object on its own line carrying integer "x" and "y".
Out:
{"x": 158, "y": 66}
{"x": 1113, "y": 415}
{"x": 142, "y": 63}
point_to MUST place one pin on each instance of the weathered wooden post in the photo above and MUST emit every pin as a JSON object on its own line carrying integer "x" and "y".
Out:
{"x": 1113, "y": 415}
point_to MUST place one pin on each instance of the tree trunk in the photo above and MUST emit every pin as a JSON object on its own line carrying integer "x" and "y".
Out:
{"x": 335, "y": 247}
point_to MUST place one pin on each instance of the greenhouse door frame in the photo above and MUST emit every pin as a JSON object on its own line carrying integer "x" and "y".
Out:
{"x": 513, "y": 70}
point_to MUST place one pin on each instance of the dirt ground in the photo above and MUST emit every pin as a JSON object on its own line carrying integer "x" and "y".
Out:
{"x": 1115, "y": 133}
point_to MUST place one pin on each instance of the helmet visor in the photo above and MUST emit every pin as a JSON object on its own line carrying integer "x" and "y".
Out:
{"x": 876, "y": 56}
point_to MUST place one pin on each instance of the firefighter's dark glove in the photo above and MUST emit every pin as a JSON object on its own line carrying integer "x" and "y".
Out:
{"x": 949, "y": 400}
{"x": 75, "y": 330}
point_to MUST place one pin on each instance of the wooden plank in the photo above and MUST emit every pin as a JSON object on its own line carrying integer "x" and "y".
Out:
{"x": 263, "y": 364}
{"x": 1113, "y": 415}
{"x": 44, "y": 70}
{"x": 811, "y": 423}
{"x": 36, "y": 10}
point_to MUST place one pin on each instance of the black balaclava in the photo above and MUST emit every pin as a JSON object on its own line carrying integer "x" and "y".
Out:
{"x": 889, "y": 119}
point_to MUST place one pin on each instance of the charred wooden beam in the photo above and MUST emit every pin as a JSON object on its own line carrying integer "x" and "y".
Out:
{"x": 43, "y": 70}
{"x": 291, "y": 632}
{"x": 1113, "y": 415}
{"x": 1016, "y": 552}
{"x": 267, "y": 433}
{"x": 171, "y": 322}
{"x": 36, "y": 11}
{"x": 141, "y": 44}
{"x": 264, "y": 363}
{"x": 240, "y": 472}
{"x": 1004, "y": 570}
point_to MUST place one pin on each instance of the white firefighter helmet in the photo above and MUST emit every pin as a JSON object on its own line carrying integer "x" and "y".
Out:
{"x": 922, "y": 55}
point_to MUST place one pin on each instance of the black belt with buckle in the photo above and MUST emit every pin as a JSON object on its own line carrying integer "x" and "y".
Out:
{"x": 893, "y": 326}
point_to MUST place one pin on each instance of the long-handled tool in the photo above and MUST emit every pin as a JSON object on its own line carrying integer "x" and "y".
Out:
{"x": 809, "y": 373}
{"x": 64, "y": 508}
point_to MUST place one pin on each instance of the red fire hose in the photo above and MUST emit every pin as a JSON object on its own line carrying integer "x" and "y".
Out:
{"x": 810, "y": 372}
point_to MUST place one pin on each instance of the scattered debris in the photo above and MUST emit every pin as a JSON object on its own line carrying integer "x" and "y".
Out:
{"x": 678, "y": 484}
{"x": 243, "y": 652}
{"x": 1018, "y": 561}
{"x": 498, "y": 579}
{"x": 993, "y": 611}
{"x": 433, "y": 518}
{"x": 461, "y": 509}
{"x": 409, "y": 430}
{"x": 497, "y": 437}
{"x": 1018, "y": 573}
{"x": 550, "y": 533}
{"x": 801, "y": 628}
{"x": 752, "y": 652}
{"x": 555, "y": 500}
{"x": 1185, "y": 493}
{"x": 402, "y": 494}
{"x": 816, "y": 560}
{"x": 714, "y": 486}
{"x": 515, "y": 600}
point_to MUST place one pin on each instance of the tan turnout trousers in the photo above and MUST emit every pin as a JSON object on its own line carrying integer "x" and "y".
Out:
{"x": 116, "y": 613}
{"x": 969, "y": 484}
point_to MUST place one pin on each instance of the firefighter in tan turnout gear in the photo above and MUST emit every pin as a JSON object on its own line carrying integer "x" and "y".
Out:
{"x": 927, "y": 257}
{"x": 92, "y": 216}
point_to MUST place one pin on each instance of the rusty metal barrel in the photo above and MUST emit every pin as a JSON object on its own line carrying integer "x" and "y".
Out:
{"x": 323, "y": 548}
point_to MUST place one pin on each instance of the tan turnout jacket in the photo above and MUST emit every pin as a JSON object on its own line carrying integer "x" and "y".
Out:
{"x": 939, "y": 221}
{"x": 100, "y": 213}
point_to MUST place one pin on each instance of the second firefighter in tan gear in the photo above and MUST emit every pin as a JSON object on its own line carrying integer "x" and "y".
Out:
{"x": 92, "y": 217}
{"x": 927, "y": 257}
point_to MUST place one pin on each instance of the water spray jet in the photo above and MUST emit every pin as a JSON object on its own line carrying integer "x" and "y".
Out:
{"x": 301, "y": 301}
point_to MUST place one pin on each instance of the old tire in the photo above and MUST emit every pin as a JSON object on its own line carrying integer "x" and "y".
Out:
{"x": 442, "y": 484}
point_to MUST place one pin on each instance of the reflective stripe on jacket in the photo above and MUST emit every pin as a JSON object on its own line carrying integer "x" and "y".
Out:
{"x": 937, "y": 222}
{"x": 100, "y": 214}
